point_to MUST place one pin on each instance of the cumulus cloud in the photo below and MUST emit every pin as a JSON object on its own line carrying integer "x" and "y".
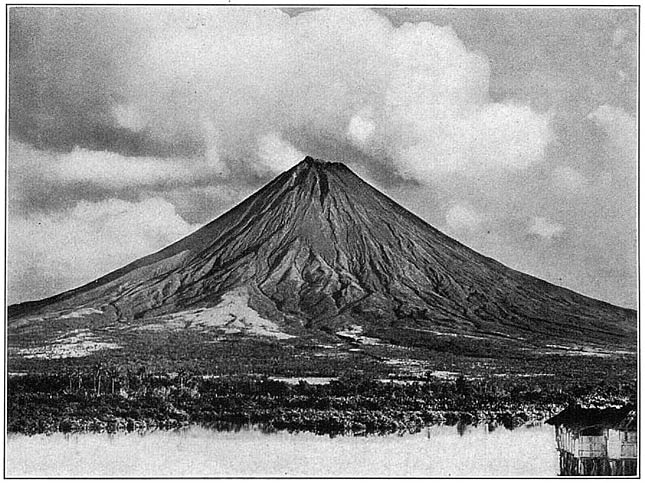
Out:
{"x": 222, "y": 78}
{"x": 360, "y": 129}
{"x": 52, "y": 253}
{"x": 545, "y": 228}
{"x": 276, "y": 154}
{"x": 493, "y": 137}
{"x": 211, "y": 139}
{"x": 112, "y": 170}
{"x": 102, "y": 169}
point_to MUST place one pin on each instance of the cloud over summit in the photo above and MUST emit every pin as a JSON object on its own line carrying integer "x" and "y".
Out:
{"x": 216, "y": 80}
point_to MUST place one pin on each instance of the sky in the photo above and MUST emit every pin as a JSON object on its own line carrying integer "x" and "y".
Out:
{"x": 512, "y": 130}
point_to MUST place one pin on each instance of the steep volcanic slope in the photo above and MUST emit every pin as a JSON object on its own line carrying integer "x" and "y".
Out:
{"x": 319, "y": 248}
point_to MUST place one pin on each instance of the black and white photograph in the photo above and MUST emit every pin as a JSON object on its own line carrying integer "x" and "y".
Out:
{"x": 320, "y": 240}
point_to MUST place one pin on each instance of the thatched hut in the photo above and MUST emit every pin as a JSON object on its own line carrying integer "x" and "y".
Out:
{"x": 597, "y": 442}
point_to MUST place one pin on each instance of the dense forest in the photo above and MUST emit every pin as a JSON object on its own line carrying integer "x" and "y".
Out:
{"x": 112, "y": 398}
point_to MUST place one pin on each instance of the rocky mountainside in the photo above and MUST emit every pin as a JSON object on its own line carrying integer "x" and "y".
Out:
{"x": 319, "y": 249}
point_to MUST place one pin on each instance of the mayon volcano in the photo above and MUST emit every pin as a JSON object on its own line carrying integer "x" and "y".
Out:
{"x": 318, "y": 250}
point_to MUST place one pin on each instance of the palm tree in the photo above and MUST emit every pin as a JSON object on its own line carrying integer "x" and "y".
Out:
{"x": 142, "y": 376}
{"x": 99, "y": 370}
{"x": 71, "y": 376}
{"x": 113, "y": 372}
{"x": 79, "y": 373}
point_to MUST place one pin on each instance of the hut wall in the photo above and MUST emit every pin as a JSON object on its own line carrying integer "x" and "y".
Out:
{"x": 622, "y": 444}
{"x": 592, "y": 447}
{"x": 566, "y": 440}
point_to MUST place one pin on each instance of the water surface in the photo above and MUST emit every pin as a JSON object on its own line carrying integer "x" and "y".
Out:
{"x": 198, "y": 451}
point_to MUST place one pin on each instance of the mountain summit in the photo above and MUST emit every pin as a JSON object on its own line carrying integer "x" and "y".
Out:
{"x": 318, "y": 249}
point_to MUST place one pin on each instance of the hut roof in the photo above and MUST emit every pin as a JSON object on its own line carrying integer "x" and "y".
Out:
{"x": 576, "y": 417}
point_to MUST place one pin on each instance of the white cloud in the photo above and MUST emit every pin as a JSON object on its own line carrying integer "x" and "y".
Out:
{"x": 102, "y": 168}
{"x": 222, "y": 78}
{"x": 211, "y": 135}
{"x": 50, "y": 253}
{"x": 545, "y": 228}
{"x": 360, "y": 129}
{"x": 276, "y": 154}
{"x": 494, "y": 137}
{"x": 415, "y": 93}
{"x": 112, "y": 170}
